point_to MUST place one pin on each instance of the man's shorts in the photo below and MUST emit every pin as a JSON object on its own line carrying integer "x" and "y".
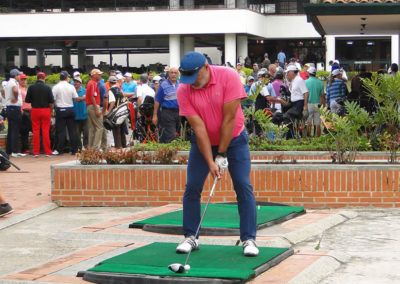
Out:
{"x": 313, "y": 115}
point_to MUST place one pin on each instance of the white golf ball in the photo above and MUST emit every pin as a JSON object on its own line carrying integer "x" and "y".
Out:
{"x": 187, "y": 267}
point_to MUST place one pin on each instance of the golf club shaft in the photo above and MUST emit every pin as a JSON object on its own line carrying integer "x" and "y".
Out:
{"x": 202, "y": 216}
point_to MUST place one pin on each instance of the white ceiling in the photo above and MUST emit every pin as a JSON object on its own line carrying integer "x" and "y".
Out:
{"x": 351, "y": 24}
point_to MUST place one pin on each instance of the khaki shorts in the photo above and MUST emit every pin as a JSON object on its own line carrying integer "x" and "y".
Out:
{"x": 313, "y": 115}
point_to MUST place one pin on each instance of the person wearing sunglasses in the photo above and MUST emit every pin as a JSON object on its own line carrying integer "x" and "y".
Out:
{"x": 209, "y": 97}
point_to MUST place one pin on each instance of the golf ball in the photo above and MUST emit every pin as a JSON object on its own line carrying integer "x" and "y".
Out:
{"x": 187, "y": 267}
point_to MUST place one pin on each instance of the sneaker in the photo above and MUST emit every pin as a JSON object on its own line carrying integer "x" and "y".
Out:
{"x": 5, "y": 209}
{"x": 55, "y": 152}
{"x": 250, "y": 248}
{"x": 14, "y": 155}
{"x": 36, "y": 156}
{"x": 50, "y": 155}
{"x": 21, "y": 155}
{"x": 187, "y": 245}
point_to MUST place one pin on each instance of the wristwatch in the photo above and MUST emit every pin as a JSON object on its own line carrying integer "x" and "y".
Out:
{"x": 223, "y": 154}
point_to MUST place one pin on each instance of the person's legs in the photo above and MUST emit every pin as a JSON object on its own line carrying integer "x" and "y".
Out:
{"x": 239, "y": 168}
{"x": 24, "y": 131}
{"x": 91, "y": 127}
{"x": 168, "y": 124}
{"x": 117, "y": 136}
{"x": 14, "y": 122}
{"x": 85, "y": 133}
{"x": 197, "y": 172}
{"x": 78, "y": 131}
{"x": 5, "y": 208}
{"x": 45, "y": 122}
{"x": 35, "y": 116}
{"x": 70, "y": 121}
{"x": 61, "y": 124}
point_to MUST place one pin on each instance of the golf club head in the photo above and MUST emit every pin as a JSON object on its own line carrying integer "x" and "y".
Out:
{"x": 176, "y": 267}
{"x": 179, "y": 268}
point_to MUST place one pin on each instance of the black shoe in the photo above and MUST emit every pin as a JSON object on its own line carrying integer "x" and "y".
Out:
{"x": 5, "y": 209}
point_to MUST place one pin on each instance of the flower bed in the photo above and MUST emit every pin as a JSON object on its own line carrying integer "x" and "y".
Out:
{"x": 310, "y": 185}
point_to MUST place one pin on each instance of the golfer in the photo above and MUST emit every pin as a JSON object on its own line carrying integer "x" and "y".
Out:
{"x": 209, "y": 97}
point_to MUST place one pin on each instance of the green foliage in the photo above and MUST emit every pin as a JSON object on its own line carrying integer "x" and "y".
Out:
{"x": 347, "y": 131}
{"x": 248, "y": 71}
{"x": 2, "y": 79}
{"x": 385, "y": 89}
{"x": 322, "y": 75}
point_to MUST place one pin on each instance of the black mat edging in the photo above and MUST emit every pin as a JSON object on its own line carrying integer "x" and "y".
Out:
{"x": 210, "y": 231}
{"x": 122, "y": 278}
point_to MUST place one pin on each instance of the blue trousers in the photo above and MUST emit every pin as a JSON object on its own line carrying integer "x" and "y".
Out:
{"x": 239, "y": 168}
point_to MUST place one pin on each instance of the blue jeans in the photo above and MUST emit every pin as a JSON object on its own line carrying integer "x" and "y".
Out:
{"x": 65, "y": 119}
{"x": 239, "y": 168}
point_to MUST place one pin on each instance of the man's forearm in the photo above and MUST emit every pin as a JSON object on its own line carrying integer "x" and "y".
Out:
{"x": 226, "y": 134}
{"x": 94, "y": 103}
{"x": 156, "y": 106}
{"x": 204, "y": 144}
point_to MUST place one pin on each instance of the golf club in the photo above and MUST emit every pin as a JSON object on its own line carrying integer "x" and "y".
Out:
{"x": 177, "y": 267}
{"x": 11, "y": 163}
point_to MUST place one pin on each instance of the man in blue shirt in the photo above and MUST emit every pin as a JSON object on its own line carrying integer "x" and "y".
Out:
{"x": 281, "y": 58}
{"x": 129, "y": 87}
{"x": 169, "y": 126}
{"x": 104, "y": 107}
{"x": 81, "y": 114}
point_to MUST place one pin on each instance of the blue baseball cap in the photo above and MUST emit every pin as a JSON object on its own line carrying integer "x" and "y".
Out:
{"x": 191, "y": 64}
{"x": 15, "y": 72}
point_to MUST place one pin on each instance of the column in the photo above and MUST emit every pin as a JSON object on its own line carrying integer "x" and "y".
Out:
{"x": 23, "y": 56}
{"x": 173, "y": 4}
{"x": 230, "y": 49}
{"x": 330, "y": 50}
{"x": 174, "y": 50}
{"x": 188, "y": 4}
{"x": 242, "y": 4}
{"x": 3, "y": 61}
{"x": 81, "y": 57}
{"x": 66, "y": 57}
{"x": 395, "y": 52}
{"x": 242, "y": 47}
{"x": 188, "y": 44}
{"x": 230, "y": 4}
{"x": 40, "y": 59}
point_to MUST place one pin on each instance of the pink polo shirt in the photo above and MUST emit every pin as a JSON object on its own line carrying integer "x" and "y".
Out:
{"x": 224, "y": 86}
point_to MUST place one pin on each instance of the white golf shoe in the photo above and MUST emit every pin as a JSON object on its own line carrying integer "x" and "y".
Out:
{"x": 190, "y": 243}
{"x": 250, "y": 248}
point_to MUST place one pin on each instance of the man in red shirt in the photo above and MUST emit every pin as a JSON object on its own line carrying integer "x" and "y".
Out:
{"x": 209, "y": 98}
{"x": 95, "y": 119}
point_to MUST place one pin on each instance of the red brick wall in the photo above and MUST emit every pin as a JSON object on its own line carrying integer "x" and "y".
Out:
{"x": 313, "y": 186}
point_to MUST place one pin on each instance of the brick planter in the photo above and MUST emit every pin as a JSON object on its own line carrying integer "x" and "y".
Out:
{"x": 310, "y": 185}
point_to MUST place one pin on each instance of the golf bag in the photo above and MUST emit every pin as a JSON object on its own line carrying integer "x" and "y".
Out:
{"x": 117, "y": 116}
{"x": 4, "y": 162}
{"x": 146, "y": 128}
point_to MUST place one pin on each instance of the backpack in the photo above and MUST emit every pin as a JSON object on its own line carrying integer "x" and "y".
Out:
{"x": 119, "y": 113}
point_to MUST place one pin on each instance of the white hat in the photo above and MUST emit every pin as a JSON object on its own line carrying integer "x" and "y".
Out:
{"x": 78, "y": 79}
{"x": 335, "y": 72}
{"x": 157, "y": 78}
{"x": 291, "y": 67}
{"x": 336, "y": 61}
{"x": 128, "y": 74}
{"x": 312, "y": 70}
{"x": 76, "y": 74}
{"x": 120, "y": 77}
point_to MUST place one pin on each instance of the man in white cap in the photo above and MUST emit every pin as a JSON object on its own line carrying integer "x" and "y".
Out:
{"x": 129, "y": 87}
{"x": 13, "y": 102}
{"x": 95, "y": 119}
{"x": 298, "y": 98}
{"x": 316, "y": 97}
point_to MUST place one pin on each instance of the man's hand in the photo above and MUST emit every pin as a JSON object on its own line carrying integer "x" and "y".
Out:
{"x": 222, "y": 163}
{"x": 98, "y": 112}
{"x": 305, "y": 113}
{"x": 155, "y": 119}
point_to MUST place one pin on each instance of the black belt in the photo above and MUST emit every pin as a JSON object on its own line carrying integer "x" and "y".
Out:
{"x": 13, "y": 107}
{"x": 174, "y": 109}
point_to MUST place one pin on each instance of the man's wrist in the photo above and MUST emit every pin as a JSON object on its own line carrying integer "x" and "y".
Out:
{"x": 222, "y": 154}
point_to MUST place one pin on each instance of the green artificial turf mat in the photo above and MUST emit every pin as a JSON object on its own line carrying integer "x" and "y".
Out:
{"x": 222, "y": 216}
{"x": 211, "y": 261}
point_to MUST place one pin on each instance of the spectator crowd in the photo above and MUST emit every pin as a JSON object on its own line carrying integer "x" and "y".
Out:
{"x": 70, "y": 116}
